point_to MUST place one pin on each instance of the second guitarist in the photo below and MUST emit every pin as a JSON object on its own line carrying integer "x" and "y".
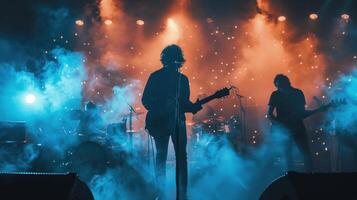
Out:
{"x": 159, "y": 98}
{"x": 289, "y": 104}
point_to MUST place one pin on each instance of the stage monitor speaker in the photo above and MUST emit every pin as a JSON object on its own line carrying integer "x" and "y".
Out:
{"x": 43, "y": 186}
{"x": 12, "y": 132}
{"x": 306, "y": 186}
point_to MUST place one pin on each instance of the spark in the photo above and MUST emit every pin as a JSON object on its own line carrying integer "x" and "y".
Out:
{"x": 108, "y": 22}
{"x": 79, "y": 22}
{"x": 281, "y": 18}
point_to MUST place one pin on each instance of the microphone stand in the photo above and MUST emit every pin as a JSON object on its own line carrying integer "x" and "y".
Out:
{"x": 177, "y": 130}
{"x": 132, "y": 110}
{"x": 243, "y": 121}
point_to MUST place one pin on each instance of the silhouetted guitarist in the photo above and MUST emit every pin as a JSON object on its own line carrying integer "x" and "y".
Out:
{"x": 289, "y": 104}
{"x": 161, "y": 92}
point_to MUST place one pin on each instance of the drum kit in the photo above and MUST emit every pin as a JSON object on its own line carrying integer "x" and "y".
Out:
{"x": 102, "y": 149}
{"x": 217, "y": 125}
{"x": 214, "y": 130}
{"x": 113, "y": 145}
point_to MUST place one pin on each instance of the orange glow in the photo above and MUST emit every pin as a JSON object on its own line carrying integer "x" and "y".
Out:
{"x": 247, "y": 57}
{"x": 171, "y": 23}
{"x": 140, "y": 22}
{"x": 79, "y": 22}
{"x": 313, "y": 16}
{"x": 264, "y": 54}
{"x": 263, "y": 5}
{"x": 107, "y": 8}
{"x": 173, "y": 31}
{"x": 281, "y": 18}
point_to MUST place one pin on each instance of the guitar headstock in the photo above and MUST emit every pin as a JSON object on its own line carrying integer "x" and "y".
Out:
{"x": 222, "y": 93}
{"x": 332, "y": 104}
{"x": 337, "y": 103}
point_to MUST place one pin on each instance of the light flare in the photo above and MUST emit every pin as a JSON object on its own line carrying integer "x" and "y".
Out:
{"x": 313, "y": 16}
{"x": 282, "y": 18}
{"x": 79, "y": 22}
{"x": 108, "y": 22}
{"x": 173, "y": 31}
{"x": 30, "y": 98}
{"x": 345, "y": 17}
{"x": 140, "y": 22}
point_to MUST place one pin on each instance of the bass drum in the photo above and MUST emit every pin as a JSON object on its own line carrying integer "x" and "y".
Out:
{"x": 89, "y": 159}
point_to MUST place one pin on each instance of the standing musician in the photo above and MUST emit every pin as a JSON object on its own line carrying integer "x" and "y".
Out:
{"x": 167, "y": 98}
{"x": 289, "y": 104}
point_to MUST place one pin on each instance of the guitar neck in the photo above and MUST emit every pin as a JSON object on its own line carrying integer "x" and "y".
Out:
{"x": 206, "y": 100}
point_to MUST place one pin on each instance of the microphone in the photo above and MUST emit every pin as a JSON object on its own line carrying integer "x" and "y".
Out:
{"x": 178, "y": 62}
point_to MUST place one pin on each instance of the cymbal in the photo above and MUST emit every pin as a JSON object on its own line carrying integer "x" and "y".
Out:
{"x": 132, "y": 131}
{"x": 133, "y": 114}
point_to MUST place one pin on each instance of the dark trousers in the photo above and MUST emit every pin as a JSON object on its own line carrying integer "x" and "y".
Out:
{"x": 179, "y": 141}
{"x": 300, "y": 138}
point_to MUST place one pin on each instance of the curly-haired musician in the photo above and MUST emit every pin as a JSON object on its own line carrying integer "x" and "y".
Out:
{"x": 166, "y": 97}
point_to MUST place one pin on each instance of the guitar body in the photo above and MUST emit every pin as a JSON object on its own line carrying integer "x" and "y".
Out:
{"x": 163, "y": 121}
{"x": 294, "y": 123}
{"x": 290, "y": 128}
{"x": 159, "y": 123}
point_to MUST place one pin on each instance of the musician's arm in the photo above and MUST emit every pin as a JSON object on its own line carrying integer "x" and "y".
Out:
{"x": 188, "y": 106}
{"x": 270, "y": 113}
{"x": 148, "y": 99}
{"x": 307, "y": 113}
{"x": 271, "y": 107}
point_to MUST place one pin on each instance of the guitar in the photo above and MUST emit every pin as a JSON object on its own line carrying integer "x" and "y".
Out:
{"x": 294, "y": 117}
{"x": 166, "y": 118}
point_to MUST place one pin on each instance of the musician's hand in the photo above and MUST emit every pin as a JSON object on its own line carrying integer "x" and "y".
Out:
{"x": 196, "y": 107}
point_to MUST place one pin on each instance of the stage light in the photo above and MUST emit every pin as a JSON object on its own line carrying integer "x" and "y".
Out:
{"x": 281, "y": 18}
{"x": 79, "y": 22}
{"x": 171, "y": 23}
{"x": 173, "y": 31}
{"x": 30, "y": 98}
{"x": 345, "y": 16}
{"x": 108, "y": 22}
{"x": 313, "y": 16}
{"x": 140, "y": 22}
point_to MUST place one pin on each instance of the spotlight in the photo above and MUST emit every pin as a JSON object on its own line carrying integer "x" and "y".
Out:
{"x": 140, "y": 22}
{"x": 79, "y": 22}
{"x": 171, "y": 23}
{"x": 313, "y": 16}
{"x": 30, "y": 98}
{"x": 108, "y": 22}
{"x": 345, "y": 16}
{"x": 281, "y": 18}
{"x": 173, "y": 32}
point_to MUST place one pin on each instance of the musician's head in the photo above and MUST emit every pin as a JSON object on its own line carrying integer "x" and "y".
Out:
{"x": 172, "y": 56}
{"x": 282, "y": 82}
